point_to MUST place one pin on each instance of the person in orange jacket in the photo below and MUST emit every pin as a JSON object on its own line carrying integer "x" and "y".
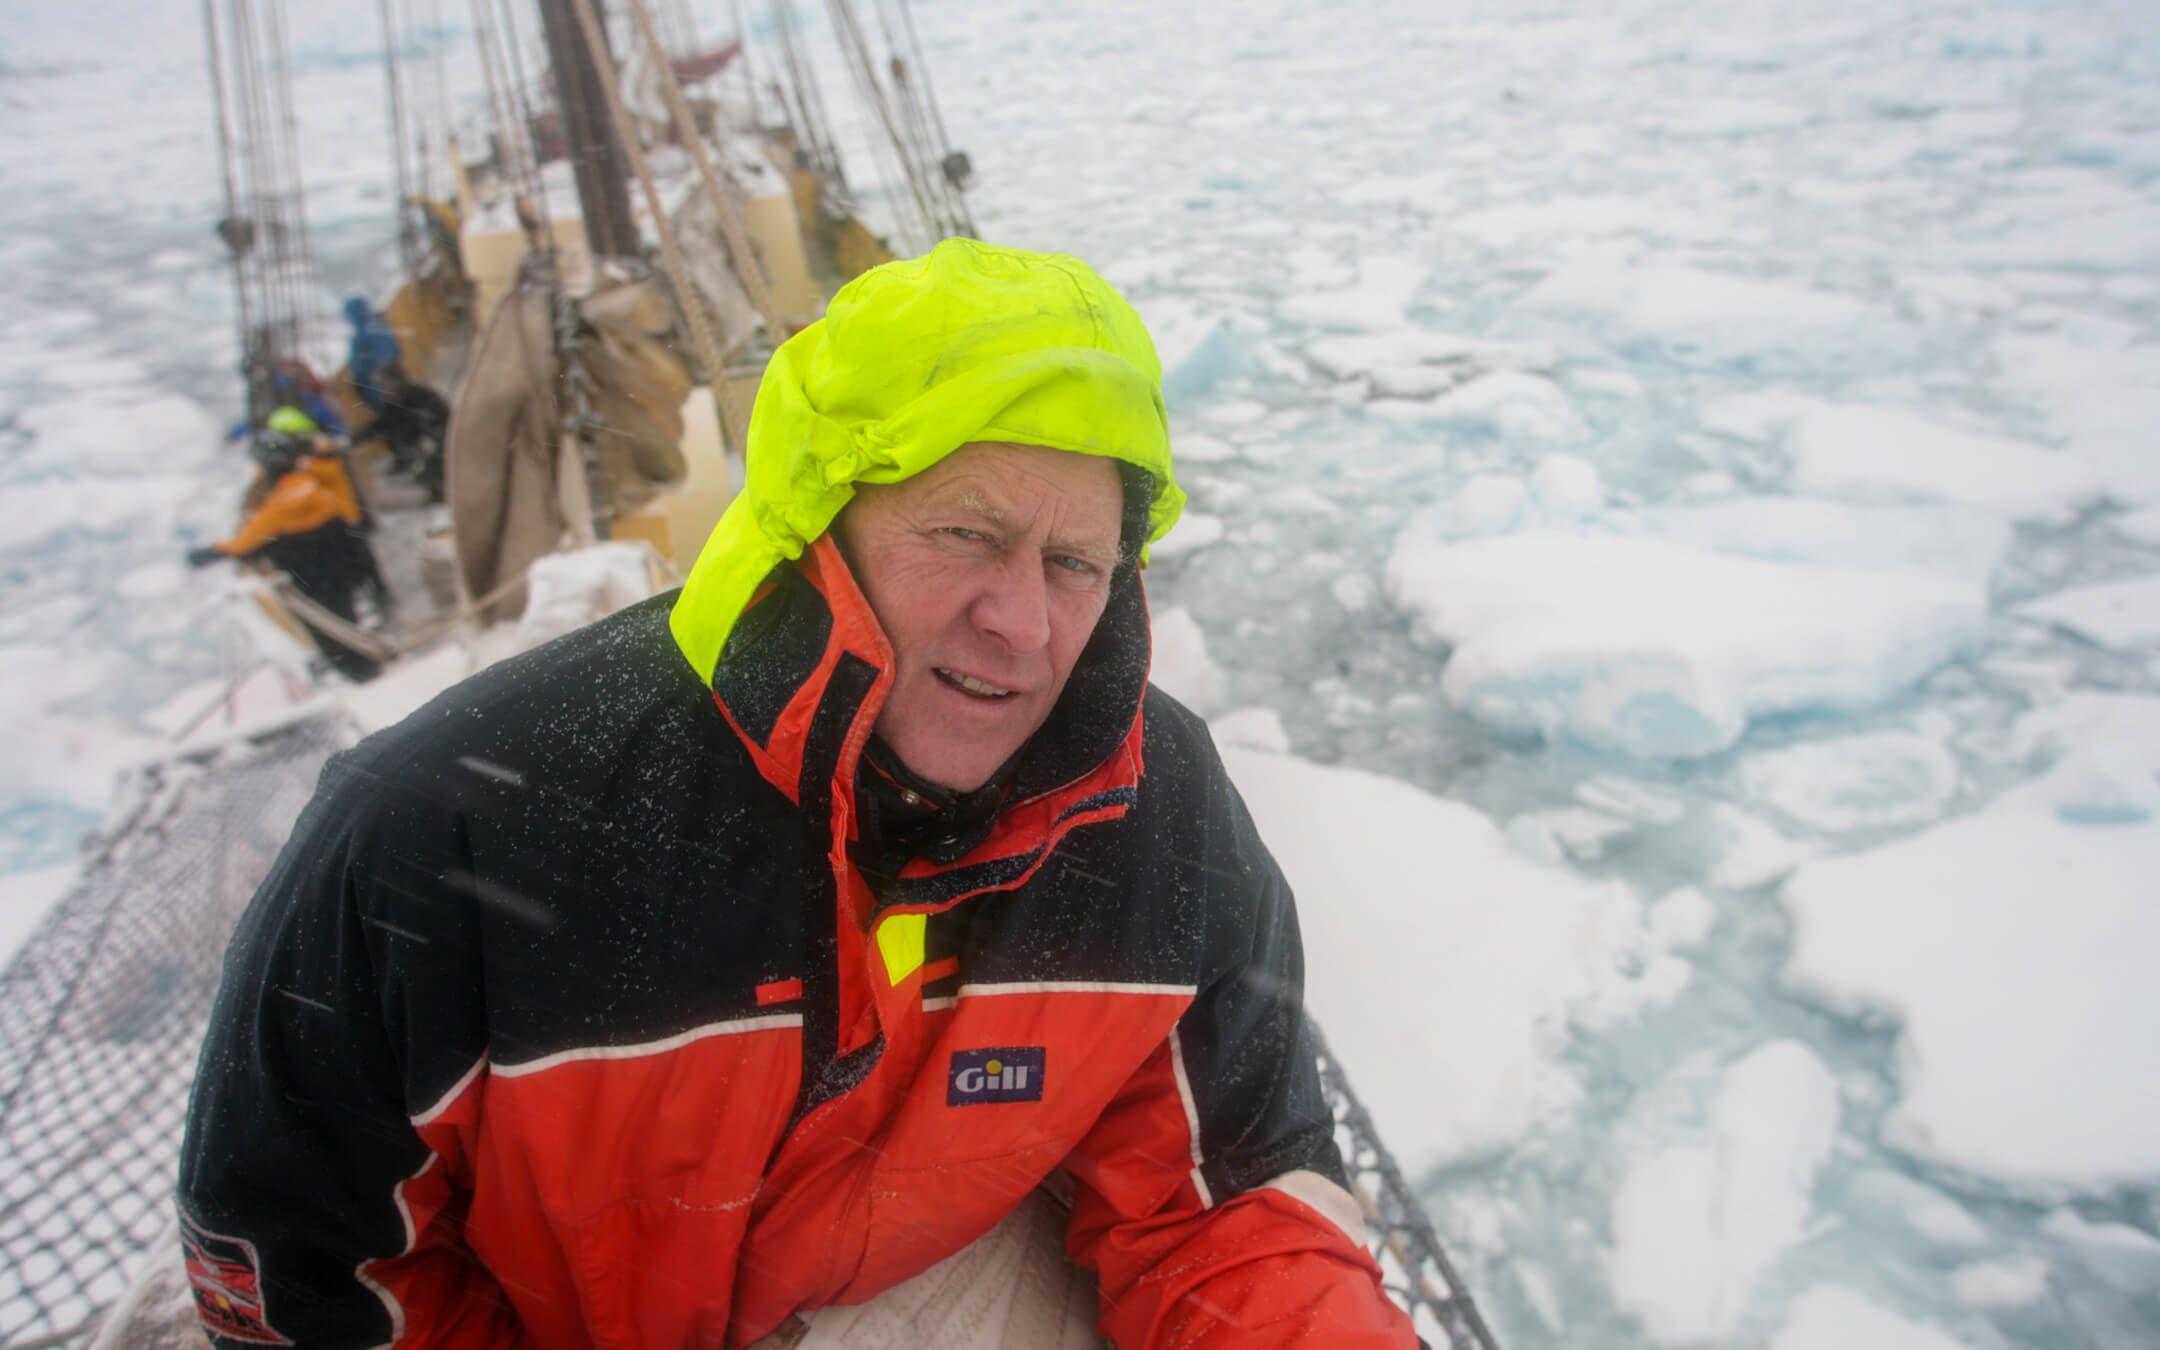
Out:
{"x": 750, "y": 951}
{"x": 306, "y": 521}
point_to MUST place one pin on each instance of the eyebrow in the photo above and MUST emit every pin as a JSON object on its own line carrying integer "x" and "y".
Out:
{"x": 974, "y": 503}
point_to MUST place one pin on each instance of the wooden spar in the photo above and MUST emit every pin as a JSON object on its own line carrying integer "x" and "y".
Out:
{"x": 670, "y": 250}
{"x": 746, "y": 261}
{"x": 584, "y": 78}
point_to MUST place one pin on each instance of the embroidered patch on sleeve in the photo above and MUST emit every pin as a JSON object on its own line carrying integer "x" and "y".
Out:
{"x": 227, "y": 1279}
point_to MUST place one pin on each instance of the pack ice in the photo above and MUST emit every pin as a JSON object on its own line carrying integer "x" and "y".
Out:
{"x": 1661, "y": 633}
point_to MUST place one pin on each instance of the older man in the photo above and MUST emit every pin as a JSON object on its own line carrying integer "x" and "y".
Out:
{"x": 753, "y": 950}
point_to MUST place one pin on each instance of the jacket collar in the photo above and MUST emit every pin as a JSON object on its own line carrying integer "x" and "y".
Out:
{"x": 807, "y": 669}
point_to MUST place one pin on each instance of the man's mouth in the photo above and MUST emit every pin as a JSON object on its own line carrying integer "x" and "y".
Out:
{"x": 972, "y": 687}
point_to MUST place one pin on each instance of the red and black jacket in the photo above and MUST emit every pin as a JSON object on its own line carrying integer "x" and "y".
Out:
{"x": 566, "y": 1019}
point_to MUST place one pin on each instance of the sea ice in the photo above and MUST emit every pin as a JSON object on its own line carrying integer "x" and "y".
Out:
{"x": 25, "y": 898}
{"x": 1566, "y": 487}
{"x": 2141, "y": 527}
{"x": 1354, "y": 591}
{"x": 1612, "y": 383}
{"x": 1516, "y": 405}
{"x": 32, "y": 514}
{"x": 1446, "y": 989}
{"x": 1181, "y": 664}
{"x": 1682, "y": 918}
{"x": 1755, "y": 415}
{"x": 1884, "y": 454}
{"x": 1927, "y": 1211}
{"x": 1831, "y": 1318}
{"x": 1953, "y": 541}
{"x": 1862, "y": 782}
{"x": 1198, "y": 346}
{"x": 1376, "y": 302}
{"x": 1195, "y": 448}
{"x": 2102, "y": 398}
{"x": 1657, "y": 649}
{"x": 2010, "y": 1282}
{"x": 1486, "y": 504}
{"x": 141, "y": 428}
{"x": 2126, "y": 1257}
{"x": 2125, "y": 722}
{"x": 1696, "y": 1225}
{"x": 1694, "y": 313}
{"x": 1253, "y": 728}
{"x": 1195, "y": 530}
{"x": 2112, "y": 613}
{"x": 1999, "y": 941}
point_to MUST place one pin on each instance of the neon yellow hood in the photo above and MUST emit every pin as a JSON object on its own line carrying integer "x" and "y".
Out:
{"x": 913, "y": 360}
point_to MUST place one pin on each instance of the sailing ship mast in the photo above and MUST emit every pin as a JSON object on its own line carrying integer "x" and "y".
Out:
{"x": 264, "y": 227}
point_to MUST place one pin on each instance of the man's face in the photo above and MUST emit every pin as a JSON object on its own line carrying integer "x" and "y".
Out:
{"x": 987, "y": 572}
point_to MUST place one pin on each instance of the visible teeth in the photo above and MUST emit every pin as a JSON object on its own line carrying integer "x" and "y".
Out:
{"x": 973, "y": 685}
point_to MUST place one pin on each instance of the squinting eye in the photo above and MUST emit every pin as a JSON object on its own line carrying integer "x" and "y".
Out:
{"x": 1079, "y": 567}
{"x": 962, "y": 533}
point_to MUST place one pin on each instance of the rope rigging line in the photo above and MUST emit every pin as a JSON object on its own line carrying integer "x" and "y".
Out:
{"x": 951, "y": 167}
{"x": 742, "y": 61}
{"x": 230, "y": 226}
{"x": 693, "y": 311}
{"x": 301, "y": 252}
{"x": 916, "y": 107}
{"x": 871, "y": 93}
{"x": 513, "y": 154}
{"x": 747, "y": 266}
{"x": 399, "y": 166}
{"x": 815, "y": 123}
{"x": 521, "y": 103}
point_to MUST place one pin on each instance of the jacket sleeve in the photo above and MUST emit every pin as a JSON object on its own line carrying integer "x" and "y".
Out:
{"x": 1211, "y": 1200}
{"x": 325, "y": 1165}
{"x": 295, "y": 503}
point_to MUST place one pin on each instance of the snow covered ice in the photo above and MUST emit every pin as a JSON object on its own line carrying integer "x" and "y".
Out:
{"x": 1675, "y": 512}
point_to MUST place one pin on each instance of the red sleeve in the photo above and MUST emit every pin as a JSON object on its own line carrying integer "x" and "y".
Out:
{"x": 1280, "y": 1264}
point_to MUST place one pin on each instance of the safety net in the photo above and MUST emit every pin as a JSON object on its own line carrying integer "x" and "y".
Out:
{"x": 101, "y": 1015}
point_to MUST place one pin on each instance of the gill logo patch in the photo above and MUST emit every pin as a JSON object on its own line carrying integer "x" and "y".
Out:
{"x": 1010, "y": 1073}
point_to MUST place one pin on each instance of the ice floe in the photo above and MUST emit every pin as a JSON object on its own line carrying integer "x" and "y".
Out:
{"x": 1885, "y": 454}
{"x": 1694, "y": 313}
{"x": 1655, "y": 648}
{"x": 1181, "y": 664}
{"x": 1869, "y": 781}
{"x": 1835, "y": 1318}
{"x": 1456, "y": 1018}
{"x": 2112, "y": 613}
{"x": 2008, "y": 1282}
{"x": 1195, "y": 530}
{"x": 1695, "y": 1226}
{"x": 1998, "y": 942}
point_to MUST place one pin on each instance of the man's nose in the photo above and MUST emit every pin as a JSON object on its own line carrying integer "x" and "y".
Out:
{"x": 1014, "y": 605}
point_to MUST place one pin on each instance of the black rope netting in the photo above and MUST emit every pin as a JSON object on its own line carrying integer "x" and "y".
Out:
{"x": 1419, "y": 1274}
{"x": 101, "y": 1015}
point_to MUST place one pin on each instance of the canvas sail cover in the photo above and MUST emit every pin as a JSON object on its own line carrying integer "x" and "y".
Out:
{"x": 505, "y": 473}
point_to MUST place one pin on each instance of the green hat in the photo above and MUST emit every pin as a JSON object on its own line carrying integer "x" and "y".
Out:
{"x": 913, "y": 360}
{"x": 291, "y": 421}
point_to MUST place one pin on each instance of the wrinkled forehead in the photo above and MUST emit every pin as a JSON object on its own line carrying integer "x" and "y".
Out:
{"x": 1024, "y": 484}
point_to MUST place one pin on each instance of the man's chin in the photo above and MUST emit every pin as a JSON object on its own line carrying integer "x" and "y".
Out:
{"x": 958, "y": 760}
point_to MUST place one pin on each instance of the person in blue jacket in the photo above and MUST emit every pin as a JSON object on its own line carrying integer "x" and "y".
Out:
{"x": 374, "y": 346}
